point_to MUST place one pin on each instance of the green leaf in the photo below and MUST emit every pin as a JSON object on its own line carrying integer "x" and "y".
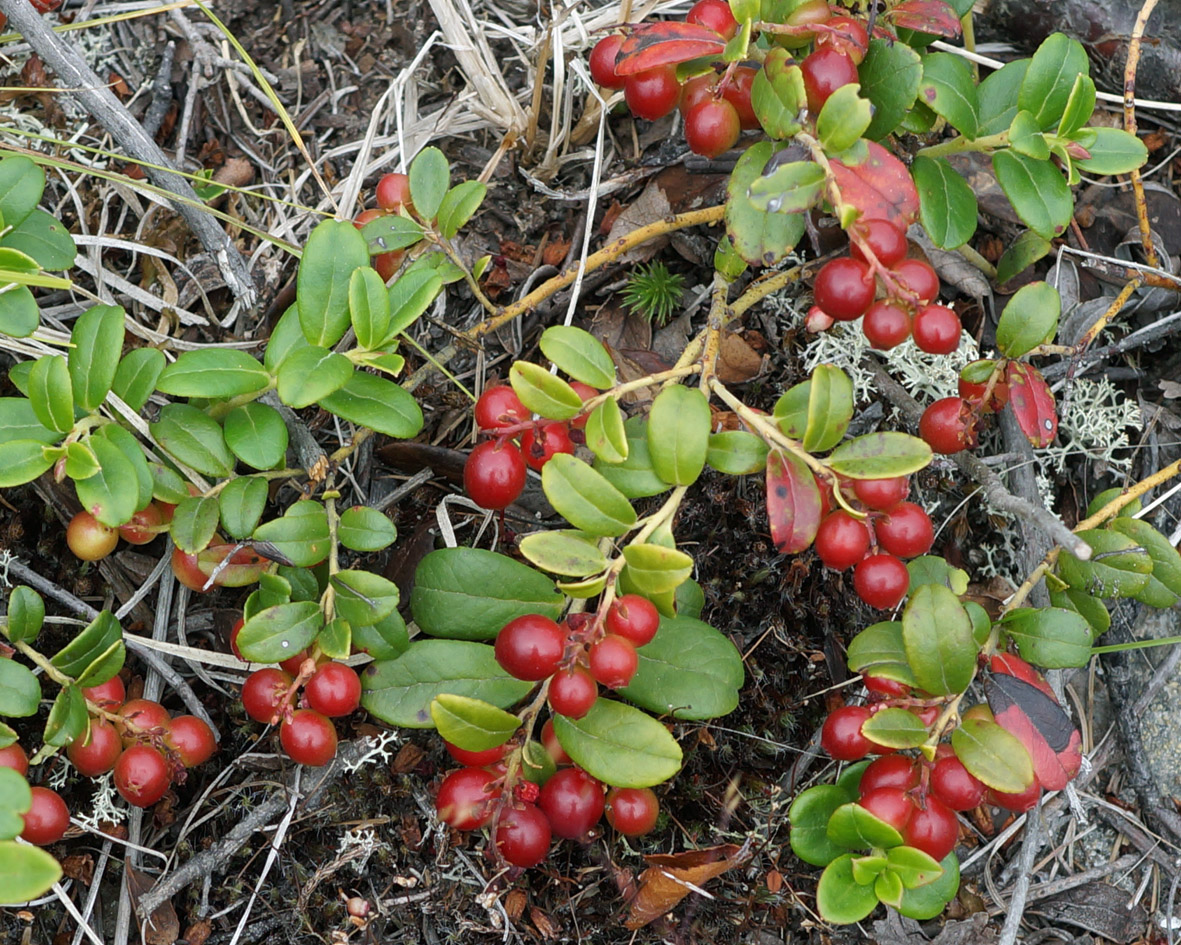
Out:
{"x": 1049, "y": 636}
{"x": 430, "y": 176}
{"x": 937, "y": 634}
{"x": 537, "y": 765}
{"x": 1119, "y": 566}
{"x": 470, "y": 593}
{"x": 997, "y": 95}
{"x": 843, "y": 119}
{"x": 81, "y": 463}
{"x": 369, "y": 307}
{"x": 112, "y": 494}
{"x": 1079, "y": 106}
{"x": 300, "y": 536}
{"x": 993, "y": 755}
{"x": 20, "y": 692}
{"x": 1050, "y": 78}
{"x": 51, "y": 393}
{"x": 949, "y": 88}
{"x": 880, "y": 456}
{"x": 136, "y": 376}
{"x": 689, "y": 671}
{"x": 761, "y": 238}
{"x": 736, "y": 453}
{"x": 777, "y": 95}
{"x": 913, "y": 867}
{"x": 98, "y": 339}
{"x": 67, "y": 717}
{"x": 1097, "y": 504}
{"x": 1026, "y": 138}
{"x": 26, "y": 614}
{"x": 830, "y": 407}
{"x": 866, "y": 869}
{"x": 931, "y": 569}
{"x": 1029, "y": 319}
{"x": 606, "y": 435}
{"x": 334, "y": 249}
{"x": 472, "y": 724}
{"x": 852, "y": 826}
{"x": 104, "y": 666}
{"x": 809, "y": 815}
{"x": 19, "y": 314}
{"x": 1166, "y": 562}
{"x": 21, "y": 184}
{"x": 634, "y": 476}
{"x": 655, "y": 569}
{"x": 839, "y": 898}
{"x": 365, "y": 529}
{"x": 1037, "y": 191}
{"x": 458, "y": 205}
{"x": 363, "y": 597}
{"x": 43, "y": 237}
{"x": 678, "y": 434}
{"x": 93, "y": 641}
{"x": 400, "y": 691}
{"x": 336, "y": 639}
{"x": 543, "y": 393}
{"x": 22, "y": 461}
{"x": 194, "y": 523}
{"x": 278, "y": 632}
{"x": 580, "y": 354}
{"x": 879, "y": 650}
{"x": 385, "y": 640}
{"x": 563, "y": 552}
{"x": 790, "y": 188}
{"x": 927, "y": 901}
{"x": 26, "y": 872}
{"x": 193, "y": 438}
{"x": 1114, "y": 151}
{"x": 390, "y": 232}
{"x": 213, "y": 373}
{"x": 310, "y": 374}
{"x": 129, "y": 446}
{"x": 887, "y": 886}
{"x": 376, "y": 403}
{"x": 411, "y": 295}
{"x": 1091, "y": 608}
{"x": 895, "y": 728}
{"x": 584, "y": 498}
{"x": 619, "y": 745}
{"x": 286, "y": 337}
{"x": 240, "y": 505}
{"x": 947, "y": 204}
{"x": 890, "y": 77}
{"x": 8, "y": 735}
{"x": 19, "y": 422}
{"x": 15, "y": 799}
{"x": 257, "y": 434}
{"x": 1027, "y": 249}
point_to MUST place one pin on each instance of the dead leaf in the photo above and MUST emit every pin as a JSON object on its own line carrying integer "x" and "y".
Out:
{"x": 738, "y": 362}
{"x": 670, "y": 877}
{"x": 236, "y": 172}
{"x": 79, "y": 866}
{"x": 408, "y": 758}
{"x": 543, "y": 923}
{"x": 198, "y": 932}
{"x": 162, "y": 926}
{"x": 651, "y": 206}
{"x": 1097, "y": 907}
{"x": 1171, "y": 389}
{"x": 514, "y": 903}
{"x": 634, "y": 364}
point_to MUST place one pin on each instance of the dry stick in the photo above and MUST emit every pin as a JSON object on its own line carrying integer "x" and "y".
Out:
{"x": 1130, "y": 126}
{"x": 1030, "y": 845}
{"x": 97, "y": 99}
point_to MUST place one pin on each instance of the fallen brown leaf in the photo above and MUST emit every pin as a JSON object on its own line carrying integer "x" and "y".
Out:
{"x": 162, "y": 926}
{"x": 670, "y": 877}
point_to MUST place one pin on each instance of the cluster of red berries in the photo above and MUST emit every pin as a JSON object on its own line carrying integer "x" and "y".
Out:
{"x": 567, "y": 805}
{"x": 950, "y": 425}
{"x": 91, "y": 540}
{"x": 306, "y": 732}
{"x": 495, "y": 471}
{"x": 874, "y": 546}
{"x": 393, "y": 195}
{"x": 578, "y": 655}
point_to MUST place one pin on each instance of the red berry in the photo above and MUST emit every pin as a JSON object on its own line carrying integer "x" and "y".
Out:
{"x": 918, "y": 277}
{"x": 652, "y": 94}
{"x": 808, "y": 13}
{"x": 294, "y": 664}
{"x": 948, "y": 426}
{"x": 140, "y": 719}
{"x": 499, "y": 407}
{"x": 14, "y": 757}
{"x": 586, "y": 392}
{"x": 905, "y": 531}
{"x": 476, "y": 759}
{"x": 367, "y": 216}
{"x": 1018, "y": 802}
{"x": 885, "y": 240}
{"x": 953, "y": 784}
{"x": 932, "y": 829}
{"x": 846, "y": 34}
{"x": 885, "y": 688}
{"x": 141, "y": 528}
{"x": 572, "y": 692}
{"x": 841, "y": 735}
{"x": 523, "y": 835}
{"x": 530, "y": 647}
{"x": 549, "y": 739}
{"x": 393, "y": 192}
{"x": 187, "y": 572}
{"x": 602, "y": 62}
{"x": 108, "y": 695}
{"x": 926, "y": 714}
{"x": 937, "y": 329}
{"x": 632, "y": 811}
{"x": 881, "y": 581}
{"x": 494, "y": 474}
{"x": 613, "y": 661}
{"x": 540, "y": 446}
{"x": 841, "y": 540}
{"x": 843, "y": 288}
{"x": 634, "y": 618}
{"x": 192, "y": 739}
{"x": 142, "y": 775}
{"x": 737, "y": 93}
{"x": 572, "y": 801}
{"x": 891, "y": 804}
{"x": 334, "y": 690}
{"x": 89, "y": 538}
{"x": 47, "y": 819}
{"x": 387, "y": 264}
{"x": 465, "y": 798}
{"x": 95, "y": 753}
{"x": 308, "y": 738}
{"x": 701, "y": 88}
{"x": 881, "y": 494}
{"x": 886, "y": 325}
{"x": 712, "y": 127}
{"x": 263, "y": 693}
{"x": 891, "y": 771}
{"x": 826, "y": 70}
{"x": 714, "y": 15}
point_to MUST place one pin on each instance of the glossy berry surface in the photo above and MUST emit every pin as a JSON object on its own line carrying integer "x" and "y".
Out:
{"x": 714, "y": 15}
{"x": 881, "y": 494}
{"x": 499, "y": 407}
{"x": 530, "y": 647}
{"x": 918, "y": 277}
{"x": 140, "y": 529}
{"x": 89, "y": 538}
{"x": 476, "y": 759}
{"x": 263, "y": 692}
{"x": 192, "y": 739}
{"x": 294, "y": 664}
{"x": 737, "y": 92}
{"x": 883, "y": 688}
{"x": 954, "y": 785}
{"x": 652, "y": 94}
{"x": 905, "y": 531}
{"x": 632, "y": 811}
{"x": 464, "y": 798}
{"x": 393, "y": 192}
{"x": 946, "y": 426}
{"x": 937, "y": 329}
{"x": 1019, "y": 802}
{"x": 494, "y": 474}
{"x": 712, "y": 127}
{"x": 886, "y": 325}
{"x": 14, "y": 757}
{"x": 549, "y": 739}
{"x": 826, "y": 70}
{"x": 932, "y": 829}
{"x": 847, "y": 34}
{"x": 186, "y": 570}
{"x": 841, "y": 540}
{"x": 523, "y": 835}
{"x": 572, "y": 801}
{"x": 140, "y": 719}
{"x": 634, "y": 618}
{"x": 884, "y": 239}
{"x": 47, "y": 819}
{"x": 334, "y": 690}
{"x": 891, "y": 771}
{"x": 107, "y": 695}
{"x": 613, "y": 661}
{"x": 890, "y": 804}
{"x": 881, "y": 581}
{"x": 841, "y": 735}
{"x": 308, "y": 738}
{"x": 572, "y": 692}
{"x": 96, "y": 752}
{"x": 843, "y": 288}
{"x": 602, "y": 62}
{"x": 540, "y": 446}
{"x": 141, "y": 776}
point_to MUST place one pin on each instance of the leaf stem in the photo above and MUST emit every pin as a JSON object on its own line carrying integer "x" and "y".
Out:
{"x": 960, "y": 145}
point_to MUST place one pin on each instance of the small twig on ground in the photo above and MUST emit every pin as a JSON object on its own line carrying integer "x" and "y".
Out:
{"x": 161, "y": 92}
{"x": 1130, "y": 126}
{"x": 1030, "y": 844}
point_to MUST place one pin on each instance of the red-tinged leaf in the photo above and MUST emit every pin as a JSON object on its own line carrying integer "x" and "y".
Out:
{"x": 793, "y": 503}
{"x": 880, "y": 187}
{"x": 1012, "y": 665}
{"x": 1041, "y": 725}
{"x": 1033, "y": 403}
{"x": 666, "y": 44}
{"x": 926, "y": 16}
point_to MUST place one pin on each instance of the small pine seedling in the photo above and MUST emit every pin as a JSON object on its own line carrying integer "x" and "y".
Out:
{"x": 654, "y": 292}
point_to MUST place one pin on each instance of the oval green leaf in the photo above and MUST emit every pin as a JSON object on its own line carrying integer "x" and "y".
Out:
{"x": 584, "y": 498}
{"x": 1049, "y": 636}
{"x": 655, "y": 569}
{"x": 365, "y": 529}
{"x": 568, "y": 553}
{"x": 51, "y": 392}
{"x": 947, "y": 205}
{"x": 369, "y": 307}
{"x": 880, "y": 456}
{"x": 26, "y": 614}
{"x": 334, "y": 249}
{"x": 472, "y": 724}
{"x": 543, "y": 393}
{"x": 300, "y": 536}
{"x": 580, "y": 354}
{"x": 20, "y": 692}
{"x": 606, "y": 435}
{"x": 460, "y": 202}
{"x": 937, "y": 635}
{"x": 363, "y": 597}
{"x": 112, "y": 494}
{"x": 895, "y": 728}
{"x": 430, "y": 176}
{"x": 678, "y": 434}
{"x": 257, "y": 435}
{"x": 213, "y": 373}
{"x": 830, "y": 408}
{"x": 1037, "y": 191}
{"x": 26, "y": 872}
{"x": 809, "y": 815}
{"x": 22, "y": 461}
{"x": 840, "y": 899}
{"x": 310, "y": 374}
{"x": 136, "y": 376}
{"x": 98, "y": 340}
{"x": 879, "y": 650}
{"x": 279, "y": 632}
{"x": 376, "y": 403}
{"x": 193, "y": 438}
{"x": 240, "y": 505}
{"x": 890, "y": 76}
{"x": 194, "y": 522}
{"x": 620, "y": 745}
{"x": 993, "y": 755}
{"x": 736, "y": 453}
{"x": 1029, "y": 319}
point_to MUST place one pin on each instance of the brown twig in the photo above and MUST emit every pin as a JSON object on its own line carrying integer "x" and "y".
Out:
{"x": 1130, "y": 126}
